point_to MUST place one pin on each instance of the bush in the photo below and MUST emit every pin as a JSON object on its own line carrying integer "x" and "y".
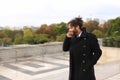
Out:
{"x": 6, "y": 41}
{"x": 98, "y": 33}
{"x": 41, "y": 38}
{"x": 28, "y": 39}
{"x": 18, "y": 41}
{"x": 116, "y": 41}
{"x": 111, "y": 41}
{"x": 61, "y": 37}
{"x": 104, "y": 42}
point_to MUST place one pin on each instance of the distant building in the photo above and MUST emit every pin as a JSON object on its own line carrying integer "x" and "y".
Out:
{"x": 88, "y": 19}
{"x": 1, "y": 28}
{"x": 32, "y": 27}
{"x": 97, "y": 20}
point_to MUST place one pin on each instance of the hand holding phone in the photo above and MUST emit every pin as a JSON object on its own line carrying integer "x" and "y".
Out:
{"x": 70, "y": 33}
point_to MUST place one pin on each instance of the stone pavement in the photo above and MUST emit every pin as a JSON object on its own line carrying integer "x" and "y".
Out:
{"x": 33, "y": 68}
{"x": 51, "y": 68}
{"x": 116, "y": 77}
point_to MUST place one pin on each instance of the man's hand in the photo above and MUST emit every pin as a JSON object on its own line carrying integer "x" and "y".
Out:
{"x": 70, "y": 33}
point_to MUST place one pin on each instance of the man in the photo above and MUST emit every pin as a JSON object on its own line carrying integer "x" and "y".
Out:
{"x": 84, "y": 51}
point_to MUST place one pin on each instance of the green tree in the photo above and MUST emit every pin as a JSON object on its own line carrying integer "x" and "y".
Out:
{"x": 1, "y": 41}
{"x": 60, "y": 29}
{"x": 98, "y": 33}
{"x": 114, "y": 27}
{"x": 9, "y": 33}
{"x": 61, "y": 37}
{"x": 41, "y": 38}
{"x": 18, "y": 39}
{"x": 28, "y": 36}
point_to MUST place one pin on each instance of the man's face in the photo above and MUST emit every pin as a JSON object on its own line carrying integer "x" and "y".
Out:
{"x": 74, "y": 29}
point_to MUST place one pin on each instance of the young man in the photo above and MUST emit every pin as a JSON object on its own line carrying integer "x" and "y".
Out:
{"x": 84, "y": 51}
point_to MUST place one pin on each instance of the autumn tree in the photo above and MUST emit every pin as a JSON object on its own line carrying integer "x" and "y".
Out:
{"x": 42, "y": 29}
{"x": 47, "y": 29}
{"x": 91, "y": 25}
{"x": 50, "y": 31}
{"x": 104, "y": 27}
{"x": 2, "y": 35}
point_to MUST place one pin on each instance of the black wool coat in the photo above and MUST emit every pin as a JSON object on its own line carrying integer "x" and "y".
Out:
{"x": 84, "y": 54}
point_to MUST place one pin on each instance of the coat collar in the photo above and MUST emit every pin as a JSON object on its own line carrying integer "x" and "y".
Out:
{"x": 83, "y": 34}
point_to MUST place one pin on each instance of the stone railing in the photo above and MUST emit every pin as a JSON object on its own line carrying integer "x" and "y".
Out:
{"x": 41, "y": 50}
{"x": 24, "y": 51}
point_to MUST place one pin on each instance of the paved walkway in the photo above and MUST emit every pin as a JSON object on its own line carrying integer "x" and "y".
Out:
{"x": 47, "y": 68}
{"x": 116, "y": 77}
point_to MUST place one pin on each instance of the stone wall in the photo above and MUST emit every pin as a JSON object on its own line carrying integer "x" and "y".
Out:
{"x": 24, "y": 51}
{"x": 109, "y": 54}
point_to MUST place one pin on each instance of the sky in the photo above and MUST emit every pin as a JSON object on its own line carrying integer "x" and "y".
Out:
{"x": 37, "y": 12}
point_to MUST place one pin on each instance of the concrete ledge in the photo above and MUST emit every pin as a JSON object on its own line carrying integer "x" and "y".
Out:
{"x": 21, "y": 51}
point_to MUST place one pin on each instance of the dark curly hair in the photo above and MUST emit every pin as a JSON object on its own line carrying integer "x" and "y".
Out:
{"x": 76, "y": 22}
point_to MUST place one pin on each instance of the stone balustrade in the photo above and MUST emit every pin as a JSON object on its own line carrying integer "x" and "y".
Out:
{"x": 22, "y": 51}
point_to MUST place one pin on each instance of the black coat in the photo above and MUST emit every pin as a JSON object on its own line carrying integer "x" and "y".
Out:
{"x": 84, "y": 54}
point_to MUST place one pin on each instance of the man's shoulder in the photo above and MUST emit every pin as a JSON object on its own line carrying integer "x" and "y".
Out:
{"x": 90, "y": 34}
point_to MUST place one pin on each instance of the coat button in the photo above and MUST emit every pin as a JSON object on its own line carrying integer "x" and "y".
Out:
{"x": 84, "y": 38}
{"x": 84, "y": 46}
{"x": 84, "y": 70}
{"x": 83, "y": 61}
{"x": 84, "y": 54}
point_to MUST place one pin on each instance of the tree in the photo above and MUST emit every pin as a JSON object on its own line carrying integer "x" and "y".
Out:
{"x": 114, "y": 27}
{"x": 41, "y": 38}
{"x": 47, "y": 29}
{"x": 28, "y": 36}
{"x": 104, "y": 27}
{"x": 2, "y": 35}
{"x": 9, "y": 33}
{"x": 98, "y": 33}
{"x": 61, "y": 37}
{"x": 6, "y": 41}
{"x": 18, "y": 38}
{"x": 91, "y": 25}
{"x": 50, "y": 32}
{"x": 60, "y": 29}
{"x": 42, "y": 29}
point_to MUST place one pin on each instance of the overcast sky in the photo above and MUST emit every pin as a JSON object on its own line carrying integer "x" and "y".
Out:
{"x": 37, "y": 12}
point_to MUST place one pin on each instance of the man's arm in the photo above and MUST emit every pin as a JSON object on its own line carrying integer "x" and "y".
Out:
{"x": 66, "y": 44}
{"x": 97, "y": 52}
{"x": 67, "y": 41}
